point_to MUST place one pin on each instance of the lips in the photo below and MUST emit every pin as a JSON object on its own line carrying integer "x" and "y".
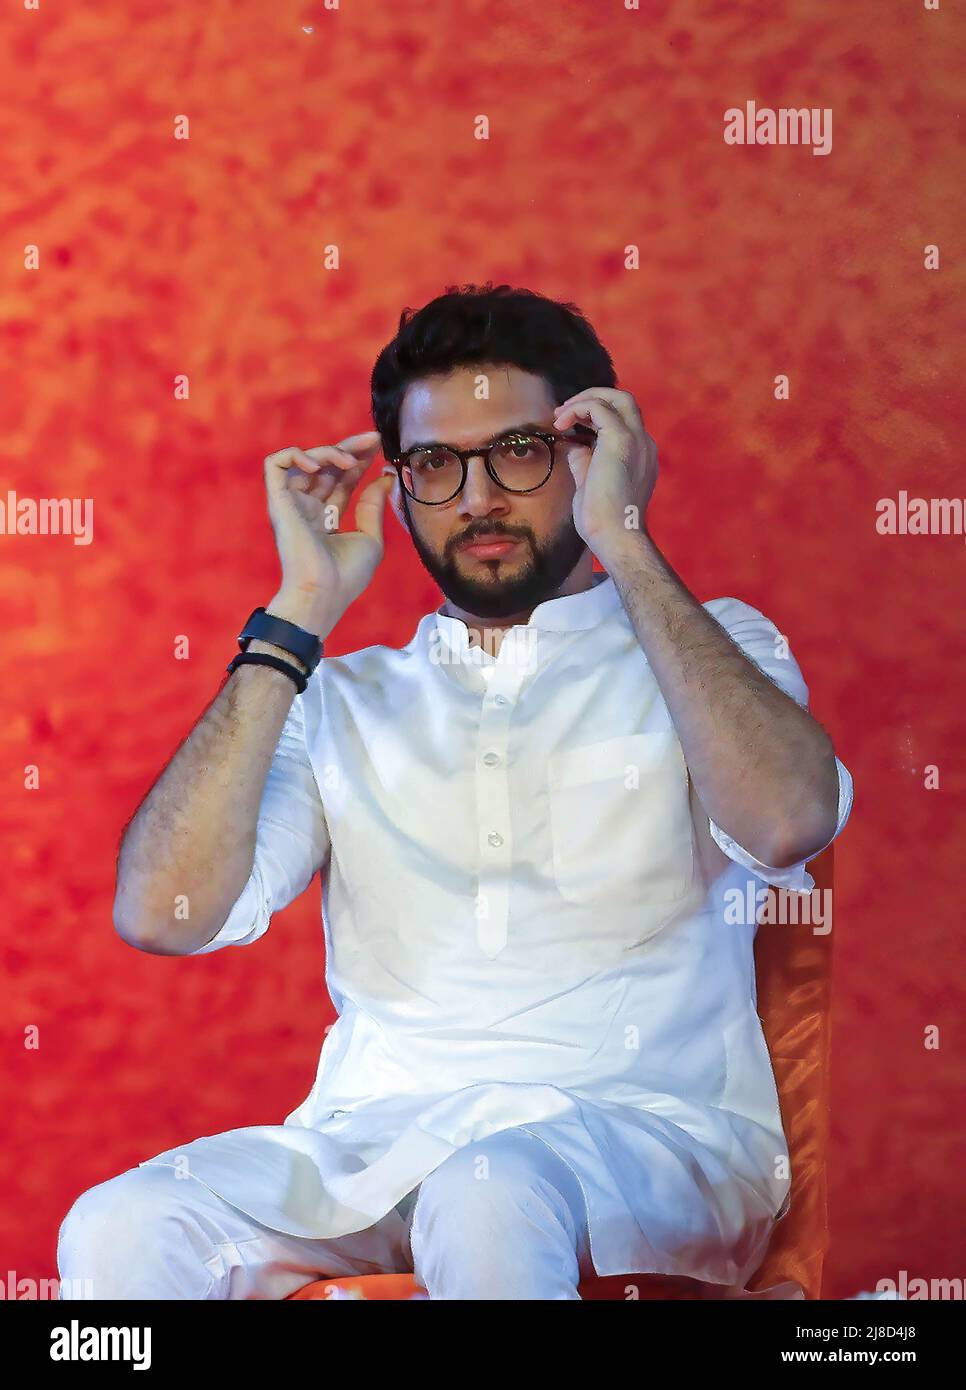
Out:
{"x": 492, "y": 548}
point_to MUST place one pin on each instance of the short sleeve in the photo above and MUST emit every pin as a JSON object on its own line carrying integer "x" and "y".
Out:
{"x": 760, "y": 640}
{"x": 291, "y": 840}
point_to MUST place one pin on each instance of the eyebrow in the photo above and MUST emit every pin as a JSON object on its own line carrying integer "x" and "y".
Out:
{"x": 529, "y": 428}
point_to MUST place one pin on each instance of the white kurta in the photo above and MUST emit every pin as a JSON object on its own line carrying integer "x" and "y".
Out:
{"x": 520, "y": 929}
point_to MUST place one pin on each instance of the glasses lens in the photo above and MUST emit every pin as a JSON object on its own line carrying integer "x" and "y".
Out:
{"x": 432, "y": 475}
{"x": 521, "y": 462}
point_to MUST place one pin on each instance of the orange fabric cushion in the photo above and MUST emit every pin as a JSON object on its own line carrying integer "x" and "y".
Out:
{"x": 793, "y": 966}
{"x": 404, "y": 1286}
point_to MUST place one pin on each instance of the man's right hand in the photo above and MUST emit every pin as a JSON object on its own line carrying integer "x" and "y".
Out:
{"x": 324, "y": 569}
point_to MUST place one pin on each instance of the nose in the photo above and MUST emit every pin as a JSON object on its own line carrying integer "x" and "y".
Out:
{"x": 481, "y": 495}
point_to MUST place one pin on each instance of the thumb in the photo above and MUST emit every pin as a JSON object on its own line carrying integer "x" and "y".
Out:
{"x": 371, "y": 507}
{"x": 578, "y": 466}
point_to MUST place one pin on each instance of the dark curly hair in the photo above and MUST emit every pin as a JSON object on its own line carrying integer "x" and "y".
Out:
{"x": 472, "y": 325}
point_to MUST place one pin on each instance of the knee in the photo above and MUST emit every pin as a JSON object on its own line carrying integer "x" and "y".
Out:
{"x": 497, "y": 1220}
{"x": 486, "y": 1188}
{"x": 113, "y": 1224}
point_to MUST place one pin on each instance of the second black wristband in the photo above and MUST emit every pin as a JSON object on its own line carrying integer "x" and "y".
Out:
{"x": 266, "y": 659}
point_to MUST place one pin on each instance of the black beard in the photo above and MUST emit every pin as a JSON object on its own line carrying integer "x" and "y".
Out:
{"x": 492, "y": 596}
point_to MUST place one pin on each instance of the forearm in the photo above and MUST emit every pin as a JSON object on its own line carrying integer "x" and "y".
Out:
{"x": 188, "y": 851}
{"x": 763, "y": 768}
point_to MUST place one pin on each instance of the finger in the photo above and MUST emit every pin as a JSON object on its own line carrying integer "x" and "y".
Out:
{"x": 604, "y": 416}
{"x": 344, "y": 486}
{"x": 330, "y": 485}
{"x": 371, "y": 508}
{"x": 285, "y": 473}
{"x": 362, "y": 444}
{"x": 579, "y": 467}
{"x": 328, "y": 479}
{"x": 332, "y": 454}
{"x": 605, "y": 393}
{"x": 652, "y": 453}
{"x": 622, "y": 401}
{"x": 284, "y": 459}
{"x": 295, "y": 468}
{"x": 395, "y": 490}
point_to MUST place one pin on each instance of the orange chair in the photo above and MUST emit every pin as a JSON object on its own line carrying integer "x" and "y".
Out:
{"x": 793, "y": 970}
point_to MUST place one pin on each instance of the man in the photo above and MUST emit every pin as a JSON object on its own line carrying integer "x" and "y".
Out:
{"x": 529, "y": 820}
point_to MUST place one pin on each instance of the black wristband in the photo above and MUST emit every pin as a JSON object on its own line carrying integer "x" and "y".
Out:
{"x": 267, "y": 627}
{"x": 265, "y": 659}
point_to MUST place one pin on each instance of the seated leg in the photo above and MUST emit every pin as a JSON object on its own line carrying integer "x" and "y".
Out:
{"x": 502, "y": 1218}
{"x": 149, "y": 1233}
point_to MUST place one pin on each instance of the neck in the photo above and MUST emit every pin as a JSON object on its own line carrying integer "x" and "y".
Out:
{"x": 489, "y": 632}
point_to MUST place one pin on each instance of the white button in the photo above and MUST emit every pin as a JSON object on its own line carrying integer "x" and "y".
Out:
{"x": 500, "y": 699}
{"x": 491, "y": 759}
{"x": 495, "y": 839}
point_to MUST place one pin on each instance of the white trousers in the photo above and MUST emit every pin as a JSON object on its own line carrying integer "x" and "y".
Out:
{"x": 503, "y": 1218}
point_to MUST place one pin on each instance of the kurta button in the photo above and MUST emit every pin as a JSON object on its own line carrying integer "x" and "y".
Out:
{"x": 491, "y": 759}
{"x": 500, "y": 699}
{"x": 495, "y": 839}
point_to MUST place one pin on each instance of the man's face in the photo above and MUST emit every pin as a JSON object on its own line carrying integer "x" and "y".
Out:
{"x": 445, "y": 410}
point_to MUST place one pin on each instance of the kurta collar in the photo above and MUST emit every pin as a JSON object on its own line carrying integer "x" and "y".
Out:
{"x": 570, "y": 613}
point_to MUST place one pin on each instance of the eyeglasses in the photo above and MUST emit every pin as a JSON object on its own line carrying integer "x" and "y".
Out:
{"x": 517, "y": 462}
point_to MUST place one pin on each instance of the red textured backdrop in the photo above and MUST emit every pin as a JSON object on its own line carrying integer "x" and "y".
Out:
{"x": 205, "y": 256}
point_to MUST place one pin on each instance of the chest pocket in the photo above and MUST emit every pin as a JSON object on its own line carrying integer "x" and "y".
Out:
{"x": 621, "y": 821}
